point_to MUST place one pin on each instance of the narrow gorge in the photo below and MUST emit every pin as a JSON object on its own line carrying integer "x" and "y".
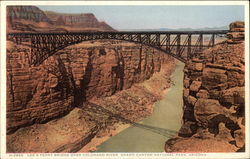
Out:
{"x": 82, "y": 82}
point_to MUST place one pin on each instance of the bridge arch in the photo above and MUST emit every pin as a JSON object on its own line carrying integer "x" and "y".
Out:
{"x": 54, "y": 51}
{"x": 176, "y": 44}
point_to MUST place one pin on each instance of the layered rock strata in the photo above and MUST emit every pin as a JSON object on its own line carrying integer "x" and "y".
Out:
{"x": 33, "y": 19}
{"x": 31, "y": 13}
{"x": 236, "y": 33}
{"x": 214, "y": 99}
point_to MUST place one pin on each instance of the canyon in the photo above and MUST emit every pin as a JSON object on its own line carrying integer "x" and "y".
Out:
{"x": 68, "y": 94}
{"x": 88, "y": 92}
{"x": 61, "y": 85}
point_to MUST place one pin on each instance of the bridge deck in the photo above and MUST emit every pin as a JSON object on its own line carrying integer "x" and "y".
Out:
{"x": 125, "y": 32}
{"x": 178, "y": 44}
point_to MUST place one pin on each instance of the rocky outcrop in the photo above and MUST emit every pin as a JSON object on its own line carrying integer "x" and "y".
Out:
{"x": 26, "y": 18}
{"x": 32, "y": 19}
{"x": 72, "y": 76}
{"x": 214, "y": 99}
{"x": 31, "y": 13}
{"x": 236, "y": 34}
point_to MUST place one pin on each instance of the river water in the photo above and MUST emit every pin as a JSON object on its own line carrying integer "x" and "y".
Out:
{"x": 167, "y": 115}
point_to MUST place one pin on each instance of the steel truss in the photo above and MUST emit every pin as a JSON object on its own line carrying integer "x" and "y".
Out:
{"x": 179, "y": 44}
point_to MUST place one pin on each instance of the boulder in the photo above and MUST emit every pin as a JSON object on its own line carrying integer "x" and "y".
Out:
{"x": 213, "y": 78}
{"x": 195, "y": 85}
{"x": 187, "y": 129}
{"x": 185, "y": 92}
{"x": 203, "y": 133}
{"x": 233, "y": 96}
{"x": 240, "y": 137}
{"x": 186, "y": 82}
{"x": 224, "y": 133}
{"x": 205, "y": 109}
{"x": 191, "y": 100}
{"x": 202, "y": 94}
{"x": 235, "y": 79}
{"x": 195, "y": 66}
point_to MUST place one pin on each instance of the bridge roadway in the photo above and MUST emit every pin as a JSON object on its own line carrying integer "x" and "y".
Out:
{"x": 178, "y": 44}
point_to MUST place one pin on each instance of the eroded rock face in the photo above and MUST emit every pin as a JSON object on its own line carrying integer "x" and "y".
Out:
{"x": 72, "y": 76}
{"x": 33, "y": 19}
{"x": 31, "y": 13}
{"x": 237, "y": 31}
{"x": 97, "y": 120}
{"x": 214, "y": 99}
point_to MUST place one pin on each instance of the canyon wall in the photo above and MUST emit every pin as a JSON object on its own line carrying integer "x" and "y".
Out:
{"x": 214, "y": 99}
{"x": 71, "y": 77}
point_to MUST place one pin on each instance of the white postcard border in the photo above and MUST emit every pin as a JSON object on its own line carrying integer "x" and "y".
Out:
{"x": 117, "y": 155}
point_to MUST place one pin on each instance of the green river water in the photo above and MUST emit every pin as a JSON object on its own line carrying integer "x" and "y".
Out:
{"x": 167, "y": 115}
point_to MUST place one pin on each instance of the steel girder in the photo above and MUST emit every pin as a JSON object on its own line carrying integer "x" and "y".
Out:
{"x": 181, "y": 45}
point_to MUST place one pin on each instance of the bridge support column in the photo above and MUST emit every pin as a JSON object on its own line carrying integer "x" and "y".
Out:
{"x": 189, "y": 45}
{"x": 213, "y": 40}
{"x": 201, "y": 42}
{"x": 158, "y": 42}
{"x": 178, "y": 41}
{"x": 168, "y": 42}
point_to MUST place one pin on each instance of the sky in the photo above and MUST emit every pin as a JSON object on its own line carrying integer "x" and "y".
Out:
{"x": 123, "y": 17}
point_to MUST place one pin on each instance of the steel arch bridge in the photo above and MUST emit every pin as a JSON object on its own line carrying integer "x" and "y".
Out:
{"x": 178, "y": 44}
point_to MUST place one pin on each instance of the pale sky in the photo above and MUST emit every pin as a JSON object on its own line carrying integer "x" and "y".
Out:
{"x": 153, "y": 17}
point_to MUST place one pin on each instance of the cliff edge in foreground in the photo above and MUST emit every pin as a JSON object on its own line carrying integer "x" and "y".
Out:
{"x": 214, "y": 99}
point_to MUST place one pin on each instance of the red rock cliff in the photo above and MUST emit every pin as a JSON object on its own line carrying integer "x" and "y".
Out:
{"x": 32, "y": 19}
{"x": 214, "y": 99}
{"x": 31, "y": 13}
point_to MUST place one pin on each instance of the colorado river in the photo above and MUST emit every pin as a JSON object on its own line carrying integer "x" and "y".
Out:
{"x": 167, "y": 115}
